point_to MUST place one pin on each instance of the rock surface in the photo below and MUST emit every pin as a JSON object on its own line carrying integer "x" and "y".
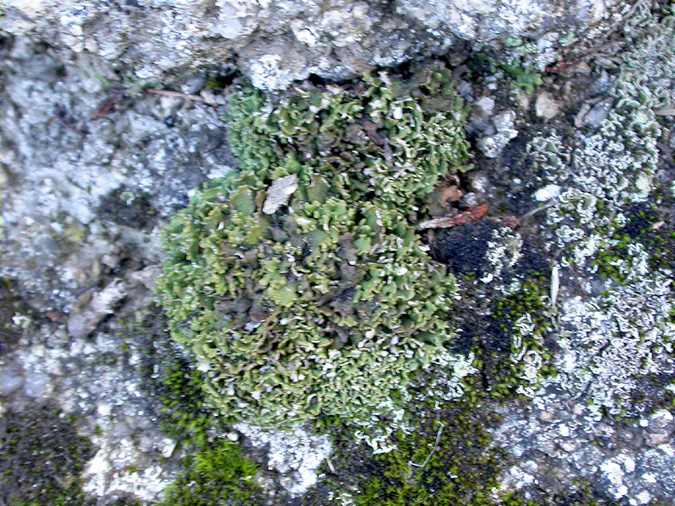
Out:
{"x": 276, "y": 42}
{"x": 96, "y": 153}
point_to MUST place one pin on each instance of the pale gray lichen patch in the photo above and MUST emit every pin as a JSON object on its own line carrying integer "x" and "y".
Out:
{"x": 295, "y": 454}
{"x": 441, "y": 381}
{"x": 608, "y": 340}
{"x": 98, "y": 380}
{"x": 601, "y": 175}
{"x": 503, "y": 252}
{"x": 504, "y": 131}
{"x": 114, "y": 469}
{"x": 609, "y": 343}
{"x": 614, "y": 334}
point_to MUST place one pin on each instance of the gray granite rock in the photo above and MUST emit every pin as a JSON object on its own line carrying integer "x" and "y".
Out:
{"x": 277, "y": 41}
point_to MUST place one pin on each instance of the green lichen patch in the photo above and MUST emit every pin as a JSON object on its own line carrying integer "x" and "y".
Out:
{"x": 325, "y": 304}
{"x": 41, "y": 458}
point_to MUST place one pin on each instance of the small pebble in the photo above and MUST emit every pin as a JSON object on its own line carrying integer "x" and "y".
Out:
{"x": 546, "y": 106}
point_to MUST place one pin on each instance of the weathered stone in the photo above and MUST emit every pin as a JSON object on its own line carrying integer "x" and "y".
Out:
{"x": 546, "y": 106}
{"x": 278, "y": 41}
{"x": 84, "y": 320}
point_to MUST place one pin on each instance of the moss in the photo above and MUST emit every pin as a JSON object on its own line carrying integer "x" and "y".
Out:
{"x": 503, "y": 368}
{"x": 649, "y": 223}
{"x": 126, "y": 501}
{"x": 42, "y": 458}
{"x": 458, "y": 465}
{"x": 214, "y": 472}
{"x": 645, "y": 224}
{"x": 329, "y": 305}
{"x": 218, "y": 475}
{"x": 185, "y": 416}
{"x": 455, "y": 465}
{"x": 10, "y": 306}
{"x": 609, "y": 260}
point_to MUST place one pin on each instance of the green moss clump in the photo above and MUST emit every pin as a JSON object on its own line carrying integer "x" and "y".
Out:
{"x": 217, "y": 475}
{"x": 214, "y": 471}
{"x": 646, "y": 225}
{"x": 185, "y": 416}
{"x": 449, "y": 458}
{"x": 42, "y": 458}
{"x": 609, "y": 260}
{"x": 329, "y": 304}
{"x": 448, "y": 467}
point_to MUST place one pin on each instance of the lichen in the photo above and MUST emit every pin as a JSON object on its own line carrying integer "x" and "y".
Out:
{"x": 330, "y": 305}
{"x": 524, "y": 317}
{"x": 616, "y": 332}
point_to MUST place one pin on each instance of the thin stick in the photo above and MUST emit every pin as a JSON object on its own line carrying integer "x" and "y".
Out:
{"x": 330, "y": 465}
{"x": 438, "y": 440}
{"x": 534, "y": 211}
{"x": 178, "y": 94}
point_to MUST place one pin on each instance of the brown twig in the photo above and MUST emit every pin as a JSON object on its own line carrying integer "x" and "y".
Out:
{"x": 471, "y": 215}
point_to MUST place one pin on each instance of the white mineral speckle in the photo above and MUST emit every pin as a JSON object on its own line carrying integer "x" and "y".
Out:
{"x": 649, "y": 478}
{"x": 643, "y": 497}
{"x": 660, "y": 419}
{"x": 547, "y": 192}
{"x": 485, "y": 105}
